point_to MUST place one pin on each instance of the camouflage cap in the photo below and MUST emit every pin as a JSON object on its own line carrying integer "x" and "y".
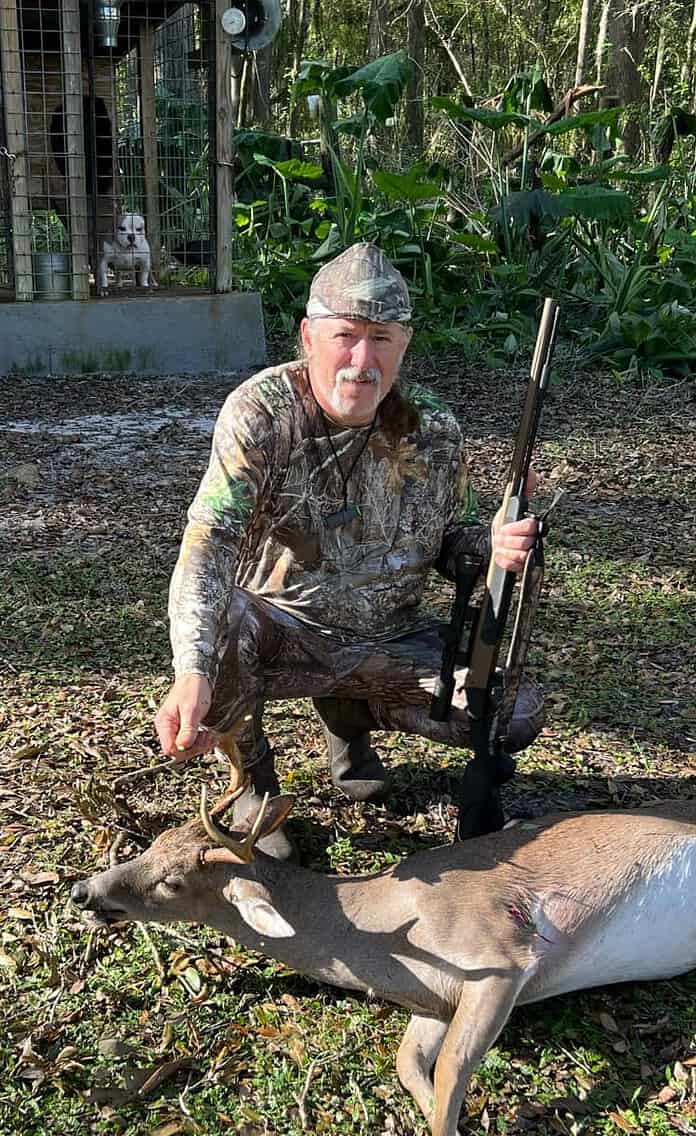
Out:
{"x": 360, "y": 284}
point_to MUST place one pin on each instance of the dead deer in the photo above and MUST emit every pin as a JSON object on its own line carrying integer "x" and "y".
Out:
{"x": 458, "y": 934}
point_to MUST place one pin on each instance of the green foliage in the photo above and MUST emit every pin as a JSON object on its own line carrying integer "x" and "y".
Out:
{"x": 527, "y": 90}
{"x": 493, "y": 119}
{"x": 609, "y": 116}
{"x": 381, "y": 84}
{"x": 655, "y": 342}
{"x": 610, "y": 237}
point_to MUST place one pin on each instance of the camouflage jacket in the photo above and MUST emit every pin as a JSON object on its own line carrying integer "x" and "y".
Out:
{"x": 258, "y": 520}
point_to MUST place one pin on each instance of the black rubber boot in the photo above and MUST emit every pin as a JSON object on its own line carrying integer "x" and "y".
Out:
{"x": 354, "y": 765}
{"x": 263, "y": 779}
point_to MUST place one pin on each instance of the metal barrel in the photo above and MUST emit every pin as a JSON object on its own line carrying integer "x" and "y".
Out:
{"x": 52, "y": 276}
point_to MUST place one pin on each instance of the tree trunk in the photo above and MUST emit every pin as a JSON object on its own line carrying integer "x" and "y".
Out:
{"x": 601, "y": 41}
{"x": 263, "y": 66}
{"x": 236, "y": 93}
{"x": 583, "y": 41}
{"x": 415, "y": 39}
{"x": 377, "y": 28}
{"x": 687, "y": 73}
{"x": 623, "y": 85}
{"x": 659, "y": 63}
{"x": 300, "y": 36}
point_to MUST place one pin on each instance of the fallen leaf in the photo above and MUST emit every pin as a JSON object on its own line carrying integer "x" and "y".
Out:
{"x": 30, "y": 750}
{"x": 20, "y": 913}
{"x": 623, "y": 1122}
{"x": 8, "y": 962}
{"x": 38, "y": 878}
{"x": 569, "y": 1104}
{"x": 666, "y": 1095}
{"x": 163, "y": 1073}
{"x": 169, "y": 1129}
{"x": 114, "y": 1047}
{"x": 26, "y": 473}
{"x": 608, "y": 1022}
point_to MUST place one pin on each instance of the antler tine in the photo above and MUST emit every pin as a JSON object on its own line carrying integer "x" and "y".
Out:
{"x": 242, "y": 849}
{"x": 239, "y": 778}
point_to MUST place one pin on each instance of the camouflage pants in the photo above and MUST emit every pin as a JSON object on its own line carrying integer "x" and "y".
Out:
{"x": 271, "y": 655}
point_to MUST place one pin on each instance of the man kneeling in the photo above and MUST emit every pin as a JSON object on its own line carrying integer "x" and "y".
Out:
{"x": 328, "y": 498}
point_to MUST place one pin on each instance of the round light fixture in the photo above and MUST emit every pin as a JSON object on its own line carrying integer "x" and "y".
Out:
{"x": 233, "y": 21}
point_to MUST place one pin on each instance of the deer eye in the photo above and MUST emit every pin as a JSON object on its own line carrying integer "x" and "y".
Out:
{"x": 172, "y": 883}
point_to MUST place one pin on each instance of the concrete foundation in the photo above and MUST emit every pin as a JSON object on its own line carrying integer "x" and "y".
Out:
{"x": 153, "y": 334}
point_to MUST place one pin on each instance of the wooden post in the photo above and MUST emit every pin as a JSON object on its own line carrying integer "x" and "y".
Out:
{"x": 149, "y": 129}
{"x": 16, "y": 134}
{"x": 224, "y": 153}
{"x": 75, "y": 174}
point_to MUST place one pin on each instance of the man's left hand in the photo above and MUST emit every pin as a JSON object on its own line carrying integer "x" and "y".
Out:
{"x": 512, "y": 542}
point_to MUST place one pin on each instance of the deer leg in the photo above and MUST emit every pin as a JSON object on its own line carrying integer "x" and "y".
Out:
{"x": 483, "y": 1010}
{"x": 417, "y": 1054}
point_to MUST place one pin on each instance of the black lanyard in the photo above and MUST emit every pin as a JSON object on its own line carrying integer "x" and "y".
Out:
{"x": 348, "y": 512}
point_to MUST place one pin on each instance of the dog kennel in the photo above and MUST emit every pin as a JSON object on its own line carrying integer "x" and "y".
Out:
{"x": 112, "y": 107}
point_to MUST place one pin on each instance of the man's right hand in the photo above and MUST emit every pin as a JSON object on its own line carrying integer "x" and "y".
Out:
{"x": 180, "y": 715}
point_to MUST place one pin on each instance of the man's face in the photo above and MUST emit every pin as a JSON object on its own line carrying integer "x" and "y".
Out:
{"x": 352, "y": 364}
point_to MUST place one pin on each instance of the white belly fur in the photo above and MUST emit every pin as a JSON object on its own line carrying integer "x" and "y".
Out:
{"x": 648, "y": 932}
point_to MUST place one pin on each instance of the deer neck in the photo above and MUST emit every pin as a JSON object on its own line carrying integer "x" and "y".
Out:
{"x": 325, "y": 912}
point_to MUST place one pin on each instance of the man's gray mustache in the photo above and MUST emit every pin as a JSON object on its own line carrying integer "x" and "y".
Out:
{"x": 355, "y": 374}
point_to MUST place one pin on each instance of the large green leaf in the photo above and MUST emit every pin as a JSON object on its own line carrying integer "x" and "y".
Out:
{"x": 642, "y": 176}
{"x": 608, "y": 116}
{"x": 354, "y": 125}
{"x": 404, "y": 187}
{"x": 317, "y": 77}
{"x": 493, "y": 119}
{"x": 291, "y": 169}
{"x": 592, "y": 202}
{"x": 381, "y": 83}
{"x": 596, "y": 203}
{"x": 475, "y": 242}
{"x": 527, "y": 90}
{"x": 527, "y": 205}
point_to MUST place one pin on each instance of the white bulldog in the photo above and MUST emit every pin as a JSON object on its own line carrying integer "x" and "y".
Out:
{"x": 129, "y": 249}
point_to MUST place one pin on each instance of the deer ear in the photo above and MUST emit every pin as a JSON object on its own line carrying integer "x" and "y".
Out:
{"x": 255, "y": 909}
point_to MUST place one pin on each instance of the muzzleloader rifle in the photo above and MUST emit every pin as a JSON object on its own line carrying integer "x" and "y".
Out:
{"x": 480, "y": 808}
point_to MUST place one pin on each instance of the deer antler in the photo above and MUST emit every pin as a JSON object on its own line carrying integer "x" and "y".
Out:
{"x": 243, "y": 850}
{"x": 239, "y": 778}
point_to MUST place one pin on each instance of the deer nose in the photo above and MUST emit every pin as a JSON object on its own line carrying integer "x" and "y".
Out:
{"x": 80, "y": 894}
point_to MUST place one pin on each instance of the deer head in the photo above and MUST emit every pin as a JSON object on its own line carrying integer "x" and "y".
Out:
{"x": 189, "y": 870}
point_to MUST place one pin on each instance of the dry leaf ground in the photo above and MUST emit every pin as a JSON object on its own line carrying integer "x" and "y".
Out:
{"x": 95, "y": 475}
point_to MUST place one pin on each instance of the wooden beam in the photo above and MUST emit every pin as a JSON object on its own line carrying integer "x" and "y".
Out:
{"x": 75, "y": 174}
{"x": 16, "y": 134}
{"x": 224, "y": 152}
{"x": 148, "y": 117}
